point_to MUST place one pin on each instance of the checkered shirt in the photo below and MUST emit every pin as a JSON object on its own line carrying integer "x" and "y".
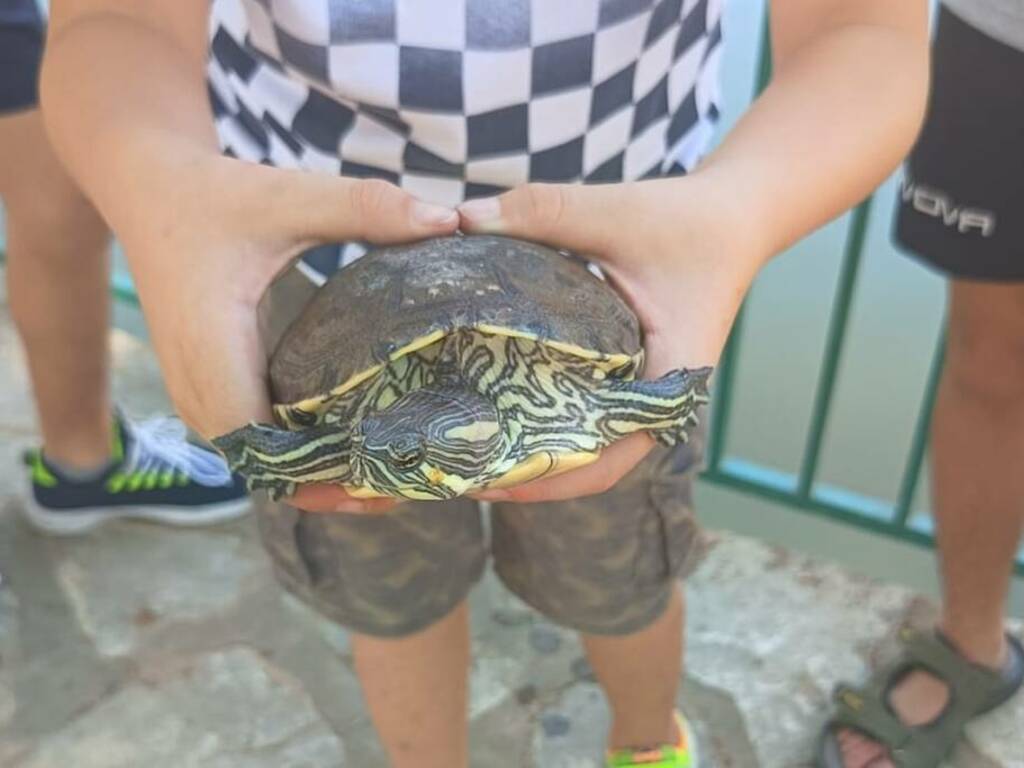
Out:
{"x": 454, "y": 99}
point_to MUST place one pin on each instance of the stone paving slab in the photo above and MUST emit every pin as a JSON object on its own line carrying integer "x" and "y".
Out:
{"x": 763, "y": 650}
{"x": 128, "y": 579}
{"x": 769, "y": 636}
{"x": 230, "y": 709}
{"x": 776, "y": 632}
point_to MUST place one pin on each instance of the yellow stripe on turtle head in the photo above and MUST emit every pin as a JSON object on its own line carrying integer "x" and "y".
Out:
{"x": 476, "y": 432}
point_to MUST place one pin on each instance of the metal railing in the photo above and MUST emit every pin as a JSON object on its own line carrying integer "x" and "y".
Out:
{"x": 801, "y": 490}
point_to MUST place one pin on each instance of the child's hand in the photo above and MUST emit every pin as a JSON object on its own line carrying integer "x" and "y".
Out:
{"x": 203, "y": 260}
{"x": 677, "y": 253}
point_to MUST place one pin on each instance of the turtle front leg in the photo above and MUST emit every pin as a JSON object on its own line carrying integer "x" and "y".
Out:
{"x": 275, "y": 488}
{"x": 278, "y": 460}
{"x": 664, "y": 407}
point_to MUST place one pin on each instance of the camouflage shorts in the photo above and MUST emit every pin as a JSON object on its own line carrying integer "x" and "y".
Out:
{"x": 603, "y": 564}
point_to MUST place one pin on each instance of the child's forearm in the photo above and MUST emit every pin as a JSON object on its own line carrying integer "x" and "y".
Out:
{"x": 841, "y": 112}
{"x": 125, "y": 104}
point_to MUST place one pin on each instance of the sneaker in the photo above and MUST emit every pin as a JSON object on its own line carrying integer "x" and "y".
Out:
{"x": 156, "y": 474}
{"x": 682, "y": 755}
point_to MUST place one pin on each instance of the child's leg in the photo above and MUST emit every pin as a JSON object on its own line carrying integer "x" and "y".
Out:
{"x": 399, "y": 582}
{"x": 57, "y": 290}
{"x": 640, "y": 675}
{"x": 416, "y": 690}
{"x": 608, "y": 566}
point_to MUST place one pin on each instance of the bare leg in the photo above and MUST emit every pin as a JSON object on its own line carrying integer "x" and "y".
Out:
{"x": 978, "y": 453}
{"x": 640, "y": 676}
{"x": 416, "y": 690}
{"x": 57, "y": 289}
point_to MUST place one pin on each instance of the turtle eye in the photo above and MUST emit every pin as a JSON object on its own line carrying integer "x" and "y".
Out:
{"x": 406, "y": 452}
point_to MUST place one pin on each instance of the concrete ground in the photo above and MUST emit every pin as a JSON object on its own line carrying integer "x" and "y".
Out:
{"x": 140, "y": 646}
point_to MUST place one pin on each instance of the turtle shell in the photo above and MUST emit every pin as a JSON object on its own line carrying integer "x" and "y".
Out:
{"x": 398, "y": 299}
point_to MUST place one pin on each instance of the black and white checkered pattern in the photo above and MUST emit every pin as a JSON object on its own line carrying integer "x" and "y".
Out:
{"x": 452, "y": 99}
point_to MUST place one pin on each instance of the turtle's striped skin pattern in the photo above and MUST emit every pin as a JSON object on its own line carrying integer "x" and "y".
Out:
{"x": 474, "y": 408}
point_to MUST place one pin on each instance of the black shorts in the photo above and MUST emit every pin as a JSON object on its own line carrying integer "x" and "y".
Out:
{"x": 961, "y": 203}
{"x": 21, "y": 51}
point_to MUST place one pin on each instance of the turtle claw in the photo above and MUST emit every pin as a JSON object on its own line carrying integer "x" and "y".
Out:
{"x": 666, "y": 408}
{"x": 236, "y": 449}
{"x": 275, "y": 488}
{"x": 670, "y": 438}
{"x": 232, "y": 447}
{"x": 679, "y": 433}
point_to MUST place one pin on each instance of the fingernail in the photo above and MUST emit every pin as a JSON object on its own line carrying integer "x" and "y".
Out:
{"x": 484, "y": 210}
{"x": 428, "y": 213}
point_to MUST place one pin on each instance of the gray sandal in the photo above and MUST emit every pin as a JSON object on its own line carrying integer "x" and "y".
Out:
{"x": 973, "y": 690}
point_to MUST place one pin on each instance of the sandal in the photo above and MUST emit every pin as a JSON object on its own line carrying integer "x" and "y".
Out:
{"x": 973, "y": 691}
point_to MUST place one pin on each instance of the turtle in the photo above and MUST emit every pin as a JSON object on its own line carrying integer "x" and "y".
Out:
{"x": 434, "y": 369}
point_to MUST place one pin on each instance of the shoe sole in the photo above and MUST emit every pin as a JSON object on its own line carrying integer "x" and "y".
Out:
{"x": 82, "y": 520}
{"x": 691, "y": 739}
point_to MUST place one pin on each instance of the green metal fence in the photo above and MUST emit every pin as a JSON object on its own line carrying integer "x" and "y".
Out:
{"x": 801, "y": 490}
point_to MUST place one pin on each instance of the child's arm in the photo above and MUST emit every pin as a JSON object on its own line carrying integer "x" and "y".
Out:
{"x": 845, "y": 103}
{"x": 125, "y": 102}
{"x": 843, "y": 108}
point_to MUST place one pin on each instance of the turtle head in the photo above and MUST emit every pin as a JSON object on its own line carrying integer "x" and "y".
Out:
{"x": 432, "y": 443}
